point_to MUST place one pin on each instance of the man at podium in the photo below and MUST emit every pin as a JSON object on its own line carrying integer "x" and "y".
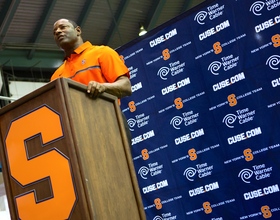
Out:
{"x": 100, "y": 68}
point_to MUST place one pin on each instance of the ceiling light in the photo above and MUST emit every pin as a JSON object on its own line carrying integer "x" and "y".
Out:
{"x": 142, "y": 30}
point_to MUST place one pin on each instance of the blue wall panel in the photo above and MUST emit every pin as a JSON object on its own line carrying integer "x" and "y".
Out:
{"x": 204, "y": 114}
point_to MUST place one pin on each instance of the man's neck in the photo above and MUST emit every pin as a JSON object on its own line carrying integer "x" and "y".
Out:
{"x": 71, "y": 50}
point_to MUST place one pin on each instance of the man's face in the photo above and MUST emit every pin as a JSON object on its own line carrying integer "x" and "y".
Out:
{"x": 65, "y": 34}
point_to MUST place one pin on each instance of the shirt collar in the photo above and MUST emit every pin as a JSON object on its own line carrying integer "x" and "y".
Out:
{"x": 81, "y": 48}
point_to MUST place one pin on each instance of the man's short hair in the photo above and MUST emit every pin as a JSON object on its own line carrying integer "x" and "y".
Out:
{"x": 73, "y": 23}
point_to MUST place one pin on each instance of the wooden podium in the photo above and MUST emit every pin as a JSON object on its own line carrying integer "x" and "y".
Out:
{"x": 66, "y": 156}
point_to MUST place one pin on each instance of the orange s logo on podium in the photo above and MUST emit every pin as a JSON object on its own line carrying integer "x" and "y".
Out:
{"x": 51, "y": 164}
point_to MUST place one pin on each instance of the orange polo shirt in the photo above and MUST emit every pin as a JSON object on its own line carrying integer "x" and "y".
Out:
{"x": 92, "y": 63}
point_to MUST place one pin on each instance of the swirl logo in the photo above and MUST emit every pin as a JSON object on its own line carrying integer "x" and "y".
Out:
{"x": 176, "y": 121}
{"x": 200, "y": 17}
{"x": 189, "y": 173}
{"x": 143, "y": 172}
{"x": 273, "y": 61}
{"x": 157, "y": 218}
{"x": 229, "y": 119}
{"x": 245, "y": 175}
{"x": 214, "y": 67}
{"x": 163, "y": 72}
{"x": 131, "y": 123}
{"x": 256, "y": 7}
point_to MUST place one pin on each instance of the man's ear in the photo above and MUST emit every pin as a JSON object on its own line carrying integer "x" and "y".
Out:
{"x": 79, "y": 30}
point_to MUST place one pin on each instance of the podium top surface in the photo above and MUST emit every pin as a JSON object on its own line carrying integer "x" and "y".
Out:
{"x": 61, "y": 83}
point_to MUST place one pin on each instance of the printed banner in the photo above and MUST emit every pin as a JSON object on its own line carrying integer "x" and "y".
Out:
{"x": 204, "y": 113}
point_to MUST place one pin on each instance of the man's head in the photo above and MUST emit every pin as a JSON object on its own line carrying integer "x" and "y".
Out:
{"x": 67, "y": 34}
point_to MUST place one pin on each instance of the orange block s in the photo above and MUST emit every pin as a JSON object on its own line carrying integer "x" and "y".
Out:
{"x": 51, "y": 164}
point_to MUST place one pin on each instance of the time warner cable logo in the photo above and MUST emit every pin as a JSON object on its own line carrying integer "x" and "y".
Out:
{"x": 187, "y": 117}
{"x": 201, "y": 171}
{"x": 143, "y": 172}
{"x": 227, "y": 62}
{"x": 243, "y": 116}
{"x": 163, "y": 72}
{"x": 200, "y": 17}
{"x": 229, "y": 120}
{"x": 153, "y": 169}
{"x": 273, "y": 62}
{"x": 214, "y": 67}
{"x": 258, "y": 6}
{"x": 213, "y": 12}
{"x": 176, "y": 121}
{"x": 189, "y": 173}
{"x": 260, "y": 172}
{"x": 140, "y": 121}
{"x": 131, "y": 123}
{"x": 174, "y": 69}
{"x": 158, "y": 218}
{"x": 245, "y": 175}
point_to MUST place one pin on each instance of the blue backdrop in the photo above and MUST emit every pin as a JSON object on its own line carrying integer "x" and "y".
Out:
{"x": 204, "y": 114}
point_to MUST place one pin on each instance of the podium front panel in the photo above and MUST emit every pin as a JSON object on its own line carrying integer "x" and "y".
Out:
{"x": 65, "y": 156}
